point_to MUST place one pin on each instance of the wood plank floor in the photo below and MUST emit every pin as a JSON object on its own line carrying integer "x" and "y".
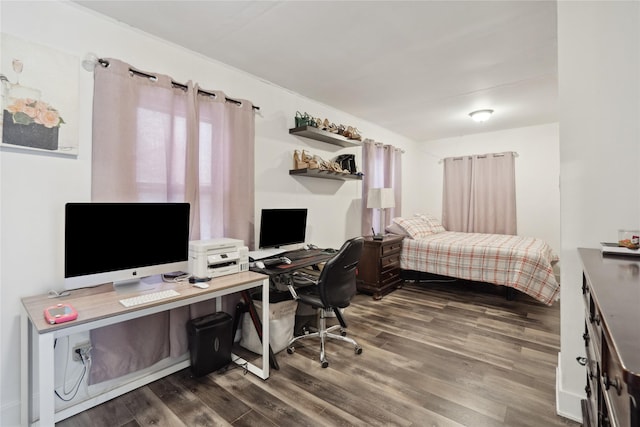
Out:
{"x": 433, "y": 355}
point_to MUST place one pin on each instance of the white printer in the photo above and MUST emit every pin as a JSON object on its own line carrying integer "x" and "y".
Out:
{"x": 217, "y": 257}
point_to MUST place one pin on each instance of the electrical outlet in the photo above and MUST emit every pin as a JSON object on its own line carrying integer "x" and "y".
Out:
{"x": 83, "y": 347}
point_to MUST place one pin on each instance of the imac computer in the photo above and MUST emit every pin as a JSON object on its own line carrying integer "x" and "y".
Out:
{"x": 122, "y": 243}
{"x": 280, "y": 227}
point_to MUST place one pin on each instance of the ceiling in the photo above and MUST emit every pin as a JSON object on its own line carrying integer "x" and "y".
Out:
{"x": 414, "y": 67}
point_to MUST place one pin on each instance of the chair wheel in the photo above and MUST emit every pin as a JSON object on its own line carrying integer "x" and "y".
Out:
{"x": 291, "y": 350}
{"x": 325, "y": 364}
{"x": 358, "y": 349}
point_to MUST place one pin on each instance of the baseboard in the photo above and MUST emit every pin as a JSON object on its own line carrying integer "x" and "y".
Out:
{"x": 567, "y": 403}
{"x": 10, "y": 414}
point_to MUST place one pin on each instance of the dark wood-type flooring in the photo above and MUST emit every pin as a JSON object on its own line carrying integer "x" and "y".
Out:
{"x": 433, "y": 355}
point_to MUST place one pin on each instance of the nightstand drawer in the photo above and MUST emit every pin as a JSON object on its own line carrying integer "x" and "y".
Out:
{"x": 390, "y": 276}
{"x": 391, "y": 248}
{"x": 390, "y": 261}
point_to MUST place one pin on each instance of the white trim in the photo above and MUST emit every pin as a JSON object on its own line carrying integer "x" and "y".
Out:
{"x": 567, "y": 403}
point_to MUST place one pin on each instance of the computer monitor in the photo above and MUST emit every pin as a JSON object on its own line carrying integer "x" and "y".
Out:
{"x": 280, "y": 227}
{"x": 121, "y": 243}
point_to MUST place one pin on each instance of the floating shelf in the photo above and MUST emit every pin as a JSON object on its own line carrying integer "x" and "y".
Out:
{"x": 320, "y": 173}
{"x": 324, "y": 136}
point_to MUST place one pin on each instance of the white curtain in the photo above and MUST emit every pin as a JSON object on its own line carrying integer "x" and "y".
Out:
{"x": 479, "y": 194}
{"x": 382, "y": 168}
{"x": 154, "y": 140}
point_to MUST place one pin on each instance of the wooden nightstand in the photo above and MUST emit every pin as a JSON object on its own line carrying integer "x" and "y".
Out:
{"x": 379, "y": 266}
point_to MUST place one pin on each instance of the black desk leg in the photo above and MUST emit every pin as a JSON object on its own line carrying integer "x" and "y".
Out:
{"x": 258, "y": 325}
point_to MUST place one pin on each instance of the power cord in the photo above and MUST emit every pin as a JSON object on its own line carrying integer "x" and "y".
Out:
{"x": 85, "y": 358}
{"x": 55, "y": 294}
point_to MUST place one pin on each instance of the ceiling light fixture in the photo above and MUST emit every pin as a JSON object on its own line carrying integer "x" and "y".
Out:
{"x": 481, "y": 115}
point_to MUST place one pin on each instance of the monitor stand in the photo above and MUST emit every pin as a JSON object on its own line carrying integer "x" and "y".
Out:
{"x": 136, "y": 285}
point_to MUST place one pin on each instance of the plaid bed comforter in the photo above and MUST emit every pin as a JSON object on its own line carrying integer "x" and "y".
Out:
{"x": 523, "y": 263}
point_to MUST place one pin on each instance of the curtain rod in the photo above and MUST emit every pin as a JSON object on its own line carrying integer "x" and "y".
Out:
{"x": 182, "y": 86}
{"x": 481, "y": 156}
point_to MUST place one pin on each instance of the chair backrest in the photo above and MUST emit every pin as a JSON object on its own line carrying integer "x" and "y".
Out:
{"x": 337, "y": 281}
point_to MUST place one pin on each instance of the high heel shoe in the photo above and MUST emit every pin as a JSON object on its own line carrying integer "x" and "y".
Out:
{"x": 298, "y": 163}
{"x": 341, "y": 130}
{"x": 322, "y": 165}
{"x": 302, "y": 119}
{"x": 332, "y": 128}
{"x": 355, "y": 134}
{"x": 310, "y": 161}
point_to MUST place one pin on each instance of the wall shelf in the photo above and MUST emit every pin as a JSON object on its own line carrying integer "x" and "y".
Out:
{"x": 324, "y": 136}
{"x": 320, "y": 173}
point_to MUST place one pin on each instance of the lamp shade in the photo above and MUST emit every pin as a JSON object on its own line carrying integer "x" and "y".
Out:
{"x": 380, "y": 198}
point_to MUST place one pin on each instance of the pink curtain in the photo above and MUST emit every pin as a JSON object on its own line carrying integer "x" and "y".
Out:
{"x": 479, "y": 194}
{"x": 153, "y": 141}
{"x": 382, "y": 168}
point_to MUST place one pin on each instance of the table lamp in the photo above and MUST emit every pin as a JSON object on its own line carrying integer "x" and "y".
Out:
{"x": 380, "y": 198}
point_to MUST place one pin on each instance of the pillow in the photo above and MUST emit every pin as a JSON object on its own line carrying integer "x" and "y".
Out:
{"x": 433, "y": 223}
{"x": 394, "y": 228}
{"x": 416, "y": 227}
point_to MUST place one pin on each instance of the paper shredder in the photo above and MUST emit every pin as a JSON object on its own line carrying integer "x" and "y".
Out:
{"x": 210, "y": 342}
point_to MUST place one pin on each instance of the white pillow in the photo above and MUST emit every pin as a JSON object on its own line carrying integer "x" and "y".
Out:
{"x": 416, "y": 227}
{"x": 394, "y": 228}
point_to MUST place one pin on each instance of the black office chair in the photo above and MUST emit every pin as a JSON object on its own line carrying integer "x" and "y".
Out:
{"x": 335, "y": 287}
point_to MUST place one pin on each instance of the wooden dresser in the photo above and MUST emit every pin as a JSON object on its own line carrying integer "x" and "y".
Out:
{"x": 611, "y": 292}
{"x": 379, "y": 266}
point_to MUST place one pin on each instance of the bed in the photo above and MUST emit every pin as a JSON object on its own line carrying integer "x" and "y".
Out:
{"x": 521, "y": 263}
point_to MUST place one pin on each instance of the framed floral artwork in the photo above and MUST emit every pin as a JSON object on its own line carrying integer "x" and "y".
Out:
{"x": 39, "y": 88}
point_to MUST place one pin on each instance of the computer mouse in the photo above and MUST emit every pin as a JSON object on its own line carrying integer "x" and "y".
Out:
{"x": 259, "y": 264}
{"x": 285, "y": 260}
{"x": 201, "y": 285}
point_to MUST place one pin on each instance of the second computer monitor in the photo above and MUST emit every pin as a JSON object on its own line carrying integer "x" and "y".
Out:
{"x": 280, "y": 227}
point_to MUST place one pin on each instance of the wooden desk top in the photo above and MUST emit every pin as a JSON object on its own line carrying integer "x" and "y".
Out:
{"x": 102, "y": 301}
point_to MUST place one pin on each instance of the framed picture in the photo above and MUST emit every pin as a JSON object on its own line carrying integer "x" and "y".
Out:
{"x": 39, "y": 88}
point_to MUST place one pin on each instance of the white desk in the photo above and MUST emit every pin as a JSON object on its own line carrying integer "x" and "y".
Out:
{"x": 98, "y": 307}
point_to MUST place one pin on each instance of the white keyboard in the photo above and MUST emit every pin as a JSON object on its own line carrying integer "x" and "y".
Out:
{"x": 147, "y": 298}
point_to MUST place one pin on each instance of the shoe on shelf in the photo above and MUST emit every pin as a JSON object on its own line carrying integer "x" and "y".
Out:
{"x": 298, "y": 163}
{"x": 302, "y": 119}
{"x": 355, "y": 134}
{"x": 322, "y": 165}
{"x": 309, "y": 160}
{"x": 348, "y": 132}
{"x": 332, "y": 128}
{"x": 316, "y": 122}
{"x": 337, "y": 168}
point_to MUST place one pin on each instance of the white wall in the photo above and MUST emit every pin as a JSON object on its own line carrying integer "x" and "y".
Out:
{"x": 34, "y": 188}
{"x": 537, "y": 174}
{"x": 599, "y": 82}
